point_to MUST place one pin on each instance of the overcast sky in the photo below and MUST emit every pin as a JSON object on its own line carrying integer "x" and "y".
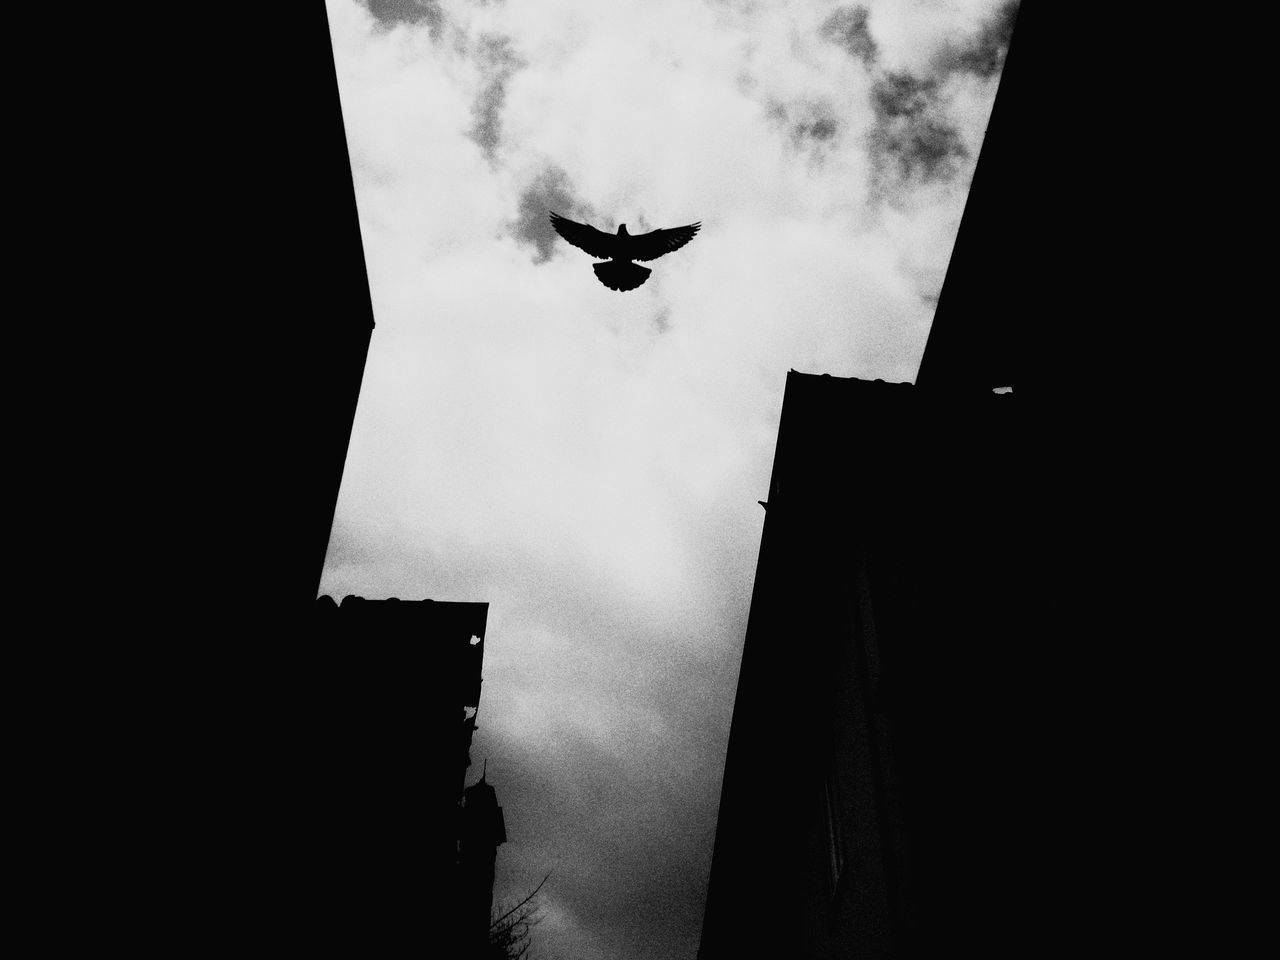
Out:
{"x": 586, "y": 461}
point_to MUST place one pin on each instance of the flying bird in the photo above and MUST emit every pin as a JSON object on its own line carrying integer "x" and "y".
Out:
{"x": 621, "y": 249}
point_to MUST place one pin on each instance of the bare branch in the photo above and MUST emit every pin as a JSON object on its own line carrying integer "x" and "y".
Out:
{"x": 521, "y": 903}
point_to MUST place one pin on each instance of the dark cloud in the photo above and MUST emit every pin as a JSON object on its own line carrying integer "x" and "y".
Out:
{"x": 819, "y": 128}
{"x": 549, "y": 190}
{"x": 912, "y": 139}
{"x": 982, "y": 54}
{"x": 391, "y": 12}
{"x": 897, "y": 95}
{"x": 805, "y": 123}
{"x": 498, "y": 61}
{"x": 847, "y": 28}
{"x": 911, "y": 136}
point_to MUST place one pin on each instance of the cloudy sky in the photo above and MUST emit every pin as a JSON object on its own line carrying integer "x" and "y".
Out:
{"x": 588, "y": 462}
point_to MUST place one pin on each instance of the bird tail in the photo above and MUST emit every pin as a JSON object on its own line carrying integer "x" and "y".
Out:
{"x": 621, "y": 274}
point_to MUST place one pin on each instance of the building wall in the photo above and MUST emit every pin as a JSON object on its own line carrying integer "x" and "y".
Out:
{"x": 385, "y": 747}
{"x": 879, "y": 670}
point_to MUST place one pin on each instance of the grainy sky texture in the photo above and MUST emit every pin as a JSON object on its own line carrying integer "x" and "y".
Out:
{"x": 588, "y": 462}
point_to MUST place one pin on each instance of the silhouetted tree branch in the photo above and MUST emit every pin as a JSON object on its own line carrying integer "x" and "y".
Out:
{"x": 509, "y": 932}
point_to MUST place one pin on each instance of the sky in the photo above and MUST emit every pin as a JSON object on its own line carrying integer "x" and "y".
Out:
{"x": 588, "y": 462}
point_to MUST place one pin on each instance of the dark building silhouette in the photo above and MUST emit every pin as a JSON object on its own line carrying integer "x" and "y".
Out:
{"x": 287, "y": 772}
{"x": 393, "y": 735}
{"x": 1000, "y": 262}
{"x": 241, "y": 754}
{"x": 319, "y": 299}
{"x": 881, "y": 747}
{"x": 282, "y": 315}
{"x": 893, "y": 785}
{"x": 483, "y": 831}
{"x": 335, "y": 744}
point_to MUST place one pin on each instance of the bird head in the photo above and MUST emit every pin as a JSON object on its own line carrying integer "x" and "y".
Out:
{"x": 622, "y": 230}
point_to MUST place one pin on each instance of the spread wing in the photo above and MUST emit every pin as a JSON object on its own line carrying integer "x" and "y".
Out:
{"x": 598, "y": 244}
{"x": 652, "y": 245}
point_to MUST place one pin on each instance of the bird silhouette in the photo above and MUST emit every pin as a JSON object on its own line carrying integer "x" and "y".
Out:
{"x": 621, "y": 249}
